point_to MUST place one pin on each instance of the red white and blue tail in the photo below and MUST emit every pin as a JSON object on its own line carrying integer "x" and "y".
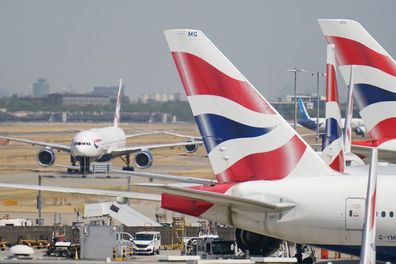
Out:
{"x": 118, "y": 106}
{"x": 246, "y": 139}
{"x": 374, "y": 74}
{"x": 333, "y": 147}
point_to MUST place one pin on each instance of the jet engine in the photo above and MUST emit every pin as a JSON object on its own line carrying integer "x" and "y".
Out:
{"x": 46, "y": 157}
{"x": 360, "y": 131}
{"x": 256, "y": 244}
{"x": 191, "y": 148}
{"x": 143, "y": 159}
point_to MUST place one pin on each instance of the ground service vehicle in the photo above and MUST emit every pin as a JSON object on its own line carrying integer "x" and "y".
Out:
{"x": 147, "y": 242}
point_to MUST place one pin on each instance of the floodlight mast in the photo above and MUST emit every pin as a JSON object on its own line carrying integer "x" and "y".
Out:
{"x": 295, "y": 70}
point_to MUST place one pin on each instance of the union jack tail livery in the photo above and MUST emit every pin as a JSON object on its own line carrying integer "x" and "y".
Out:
{"x": 333, "y": 147}
{"x": 118, "y": 106}
{"x": 246, "y": 139}
{"x": 374, "y": 74}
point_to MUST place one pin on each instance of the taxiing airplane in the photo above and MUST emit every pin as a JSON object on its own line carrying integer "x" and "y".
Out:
{"x": 374, "y": 81}
{"x": 104, "y": 144}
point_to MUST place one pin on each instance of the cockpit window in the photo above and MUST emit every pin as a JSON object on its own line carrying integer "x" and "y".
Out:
{"x": 81, "y": 143}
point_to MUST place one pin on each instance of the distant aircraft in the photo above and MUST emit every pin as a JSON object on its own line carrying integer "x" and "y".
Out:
{"x": 309, "y": 122}
{"x": 104, "y": 144}
{"x": 374, "y": 82}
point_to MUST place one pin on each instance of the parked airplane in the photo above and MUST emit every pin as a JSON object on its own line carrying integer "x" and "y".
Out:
{"x": 104, "y": 144}
{"x": 374, "y": 81}
{"x": 332, "y": 144}
{"x": 270, "y": 184}
{"x": 309, "y": 122}
{"x": 334, "y": 152}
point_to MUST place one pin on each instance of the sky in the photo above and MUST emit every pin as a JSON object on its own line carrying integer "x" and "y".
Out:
{"x": 77, "y": 44}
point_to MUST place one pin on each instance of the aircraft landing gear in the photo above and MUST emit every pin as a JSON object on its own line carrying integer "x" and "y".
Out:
{"x": 84, "y": 165}
{"x": 127, "y": 162}
{"x": 73, "y": 163}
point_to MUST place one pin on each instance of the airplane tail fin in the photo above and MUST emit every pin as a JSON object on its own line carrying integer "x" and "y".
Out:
{"x": 368, "y": 249}
{"x": 118, "y": 106}
{"x": 374, "y": 74}
{"x": 246, "y": 139}
{"x": 303, "y": 110}
{"x": 333, "y": 147}
{"x": 349, "y": 115}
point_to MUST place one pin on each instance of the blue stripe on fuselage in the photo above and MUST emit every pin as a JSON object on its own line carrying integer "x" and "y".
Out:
{"x": 216, "y": 129}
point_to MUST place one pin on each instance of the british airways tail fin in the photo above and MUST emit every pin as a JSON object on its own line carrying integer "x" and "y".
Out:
{"x": 118, "y": 106}
{"x": 333, "y": 147}
{"x": 374, "y": 74}
{"x": 303, "y": 111}
{"x": 349, "y": 115}
{"x": 246, "y": 139}
{"x": 368, "y": 249}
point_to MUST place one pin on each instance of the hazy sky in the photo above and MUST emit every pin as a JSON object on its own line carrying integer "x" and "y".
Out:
{"x": 80, "y": 44}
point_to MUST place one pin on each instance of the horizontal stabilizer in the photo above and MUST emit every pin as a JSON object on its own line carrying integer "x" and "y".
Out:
{"x": 130, "y": 195}
{"x": 222, "y": 199}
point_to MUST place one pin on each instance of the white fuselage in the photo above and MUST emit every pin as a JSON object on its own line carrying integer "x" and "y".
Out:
{"x": 329, "y": 210}
{"x": 95, "y": 143}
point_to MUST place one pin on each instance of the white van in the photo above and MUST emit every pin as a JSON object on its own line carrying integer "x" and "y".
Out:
{"x": 147, "y": 242}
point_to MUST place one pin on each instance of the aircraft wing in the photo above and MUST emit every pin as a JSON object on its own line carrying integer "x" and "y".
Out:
{"x": 131, "y": 195}
{"x": 166, "y": 132}
{"x": 159, "y": 176}
{"x": 222, "y": 199}
{"x": 39, "y": 143}
{"x": 182, "y": 135}
{"x": 126, "y": 150}
{"x": 148, "y": 132}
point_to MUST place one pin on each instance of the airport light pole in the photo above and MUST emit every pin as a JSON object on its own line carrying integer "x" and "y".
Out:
{"x": 295, "y": 71}
{"x": 318, "y": 75}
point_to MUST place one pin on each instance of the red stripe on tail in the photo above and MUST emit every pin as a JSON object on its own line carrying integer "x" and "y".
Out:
{"x": 271, "y": 165}
{"x": 201, "y": 78}
{"x": 350, "y": 52}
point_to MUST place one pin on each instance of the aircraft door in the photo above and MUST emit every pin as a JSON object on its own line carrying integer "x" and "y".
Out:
{"x": 354, "y": 213}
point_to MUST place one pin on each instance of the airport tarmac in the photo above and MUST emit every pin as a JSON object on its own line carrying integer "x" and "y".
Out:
{"x": 18, "y": 165}
{"x": 41, "y": 258}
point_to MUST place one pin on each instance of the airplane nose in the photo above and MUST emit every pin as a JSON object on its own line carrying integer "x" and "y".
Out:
{"x": 77, "y": 151}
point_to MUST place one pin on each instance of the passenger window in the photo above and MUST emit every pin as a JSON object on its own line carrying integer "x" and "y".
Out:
{"x": 391, "y": 214}
{"x": 383, "y": 214}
